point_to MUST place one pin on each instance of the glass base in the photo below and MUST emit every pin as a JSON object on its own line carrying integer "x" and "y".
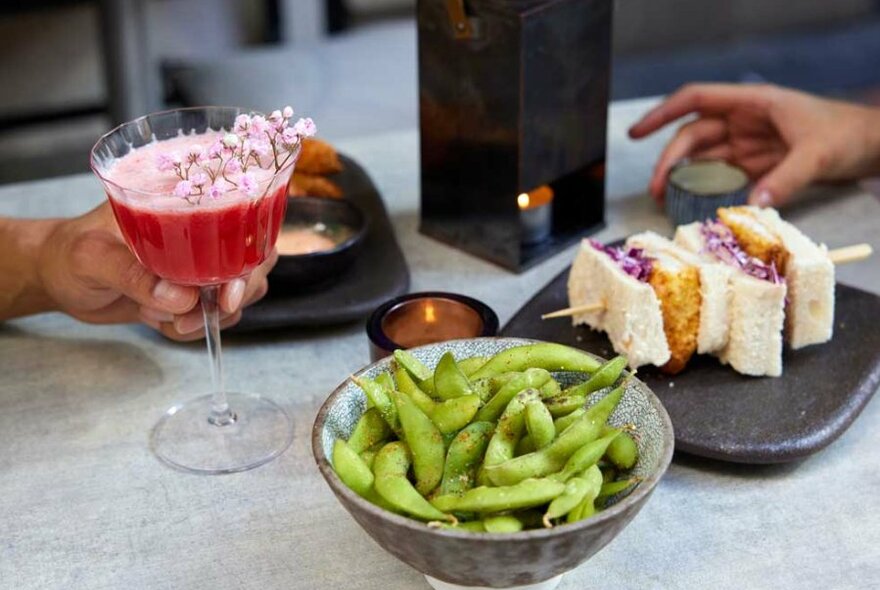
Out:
{"x": 186, "y": 438}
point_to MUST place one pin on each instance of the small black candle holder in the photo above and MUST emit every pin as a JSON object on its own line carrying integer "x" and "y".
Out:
{"x": 513, "y": 102}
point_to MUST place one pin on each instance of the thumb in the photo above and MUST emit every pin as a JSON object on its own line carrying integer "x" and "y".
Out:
{"x": 799, "y": 168}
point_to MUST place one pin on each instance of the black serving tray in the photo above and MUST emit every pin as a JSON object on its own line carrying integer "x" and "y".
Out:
{"x": 720, "y": 414}
{"x": 378, "y": 274}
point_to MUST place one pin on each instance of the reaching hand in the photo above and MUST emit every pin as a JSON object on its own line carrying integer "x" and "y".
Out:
{"x": 88, "y": 272}
{"x": 782, "y": 138}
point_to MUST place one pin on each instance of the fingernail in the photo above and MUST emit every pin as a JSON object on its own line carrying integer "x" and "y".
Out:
{"x": 171, "y": 295}
{"x": 186, "y": 324}
{"x": 235, "y": 294}
{"x": 156, "y": 315}
{"x": 763, "y": 198}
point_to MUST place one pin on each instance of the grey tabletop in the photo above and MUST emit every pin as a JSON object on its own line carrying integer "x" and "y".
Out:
{"x": 83, "y": 504}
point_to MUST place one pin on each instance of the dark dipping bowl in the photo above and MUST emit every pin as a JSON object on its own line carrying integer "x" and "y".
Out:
{"x": 337, "y": 215}
{"x": 485, "y": 559}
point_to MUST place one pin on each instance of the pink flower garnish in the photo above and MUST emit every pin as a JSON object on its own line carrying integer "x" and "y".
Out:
{"x": 248, "y": 184}
{"x": 255, "y": 140}
{"x": 233, "y": 167}
{"x": 199, "y": 179}
{"x": 183, "y": 188}
{"x": 305, "y": 127}
{"x": 167, "y": 162}
{"x": 289, "y": 136}
{"x": 242, "y": 123}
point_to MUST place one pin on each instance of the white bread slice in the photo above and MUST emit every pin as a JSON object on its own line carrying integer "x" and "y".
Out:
{"x": 757, "y": 309}
{"x": 756, "y": 312}
{"x": 714, "y": 288}
{"x": 809, "y": 274}
{"x": 631, "y": 317}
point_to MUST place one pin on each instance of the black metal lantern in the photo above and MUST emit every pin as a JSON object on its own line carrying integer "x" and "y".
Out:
{"x": 513, "y": 100}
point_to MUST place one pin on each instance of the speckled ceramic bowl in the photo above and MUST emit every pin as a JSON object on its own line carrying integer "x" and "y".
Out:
{"x": 494, "y": 560}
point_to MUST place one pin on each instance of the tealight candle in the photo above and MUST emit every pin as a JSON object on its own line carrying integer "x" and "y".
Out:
{"x": 423, "y": 318}
{"x": 697, "y": 188}
{"x": 536, "y": 214}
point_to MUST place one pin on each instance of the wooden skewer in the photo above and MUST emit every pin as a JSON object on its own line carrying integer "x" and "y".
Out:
{"x": 849, "y": 254}
{"x": 570, "y": 311}
{"x": 838, "y": 256}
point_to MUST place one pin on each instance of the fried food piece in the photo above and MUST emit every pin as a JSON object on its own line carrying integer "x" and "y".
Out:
{"x": 302, "y": 185}
{"x": 318, "y": 158}
{"x": 754, "y": 237}
{"x": 678, "y": 289}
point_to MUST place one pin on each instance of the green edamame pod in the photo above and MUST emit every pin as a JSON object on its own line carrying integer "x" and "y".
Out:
{"x": 575, "y": 491}
{"x": 502, "y": 523}
{"x": 553, "y": 457}
{"x": 385, "y": 380}
{"x": 473, "y": 526}
{"x": 623, "y": 451}
{"x": 524, "y": 446}
{"x": 424, "y": 441}
{"x": 587, "y": 507}
{"x": 470, "y": 365}
{"x": 545, "y": 355}
{"x": 351, "y": 469}
{"x": 530, "y": 379}
{"x": 464, "y": 455}
{"x": 511, "y": 427}
{"x": 565, "y": 404}
{"x": 525, "y": 494}
{"x": 369, "y": 456}
{"x": 407, "y": 386}
{"x": 566, "y": 421}
{"x": 483, "y": 388}
{"x": 390, "y": 469}
{"x": 371, "y": 428}
{"x": 381, "y": 400}
{"x": 539, "y": 424}
{"x": 456, "y": 413}
{"x": 550, "y": 389}
{"x": 613, "y": 488}
{"x": 413, "y": 366}
{"x": 449, "y": 381}
{"x": 585, "y": 457}
{"x": 605, "y": 376}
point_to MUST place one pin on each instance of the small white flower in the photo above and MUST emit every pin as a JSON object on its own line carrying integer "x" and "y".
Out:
{"x": 233, "y": 166}
{"x": 305, "y": 127}
{"x": 230, "y": 140}
{"x": 287, "y": 112}
{"x": 199, "y": 179}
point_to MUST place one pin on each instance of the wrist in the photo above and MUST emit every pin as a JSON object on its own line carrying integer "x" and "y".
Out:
{"x": 23, "y": 242}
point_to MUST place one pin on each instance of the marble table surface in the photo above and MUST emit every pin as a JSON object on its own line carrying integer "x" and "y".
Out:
{"x": 84, "y": 505}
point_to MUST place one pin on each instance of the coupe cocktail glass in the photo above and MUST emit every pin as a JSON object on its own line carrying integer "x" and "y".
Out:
{"x": 201, "y": 242}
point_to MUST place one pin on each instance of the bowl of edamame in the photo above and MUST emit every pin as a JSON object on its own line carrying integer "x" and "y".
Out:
{"x": 493, "y": 462}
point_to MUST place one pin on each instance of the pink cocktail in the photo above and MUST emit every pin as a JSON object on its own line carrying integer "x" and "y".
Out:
{"x": 199, "y": 196}
{"x": 207, "y": 242}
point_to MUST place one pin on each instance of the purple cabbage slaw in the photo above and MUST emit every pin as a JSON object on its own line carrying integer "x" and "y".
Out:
{"x": 720, "y": 241}
{"x": 632, "y": 261}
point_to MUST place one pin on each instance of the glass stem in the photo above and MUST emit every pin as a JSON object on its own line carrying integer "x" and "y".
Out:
{"x": 221, "y": 415}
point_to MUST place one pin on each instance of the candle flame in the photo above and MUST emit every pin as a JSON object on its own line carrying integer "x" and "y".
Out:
{"x": 430, "y": 315}
{"x": 523, "y": 200}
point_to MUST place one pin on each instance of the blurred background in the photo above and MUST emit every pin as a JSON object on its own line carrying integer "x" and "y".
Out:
{"x": 71, "y": 69}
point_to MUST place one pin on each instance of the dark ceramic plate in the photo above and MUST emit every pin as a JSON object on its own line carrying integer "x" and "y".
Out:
{"x": 377, "y": 274}
{"x": 344, "y": 224}
{"x": 720, "y": 414}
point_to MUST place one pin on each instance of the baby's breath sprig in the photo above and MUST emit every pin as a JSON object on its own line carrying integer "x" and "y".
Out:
{"x": 223, "y": 167}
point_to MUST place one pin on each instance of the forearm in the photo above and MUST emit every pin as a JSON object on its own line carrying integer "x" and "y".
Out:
{"x": 21, "y": 288}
